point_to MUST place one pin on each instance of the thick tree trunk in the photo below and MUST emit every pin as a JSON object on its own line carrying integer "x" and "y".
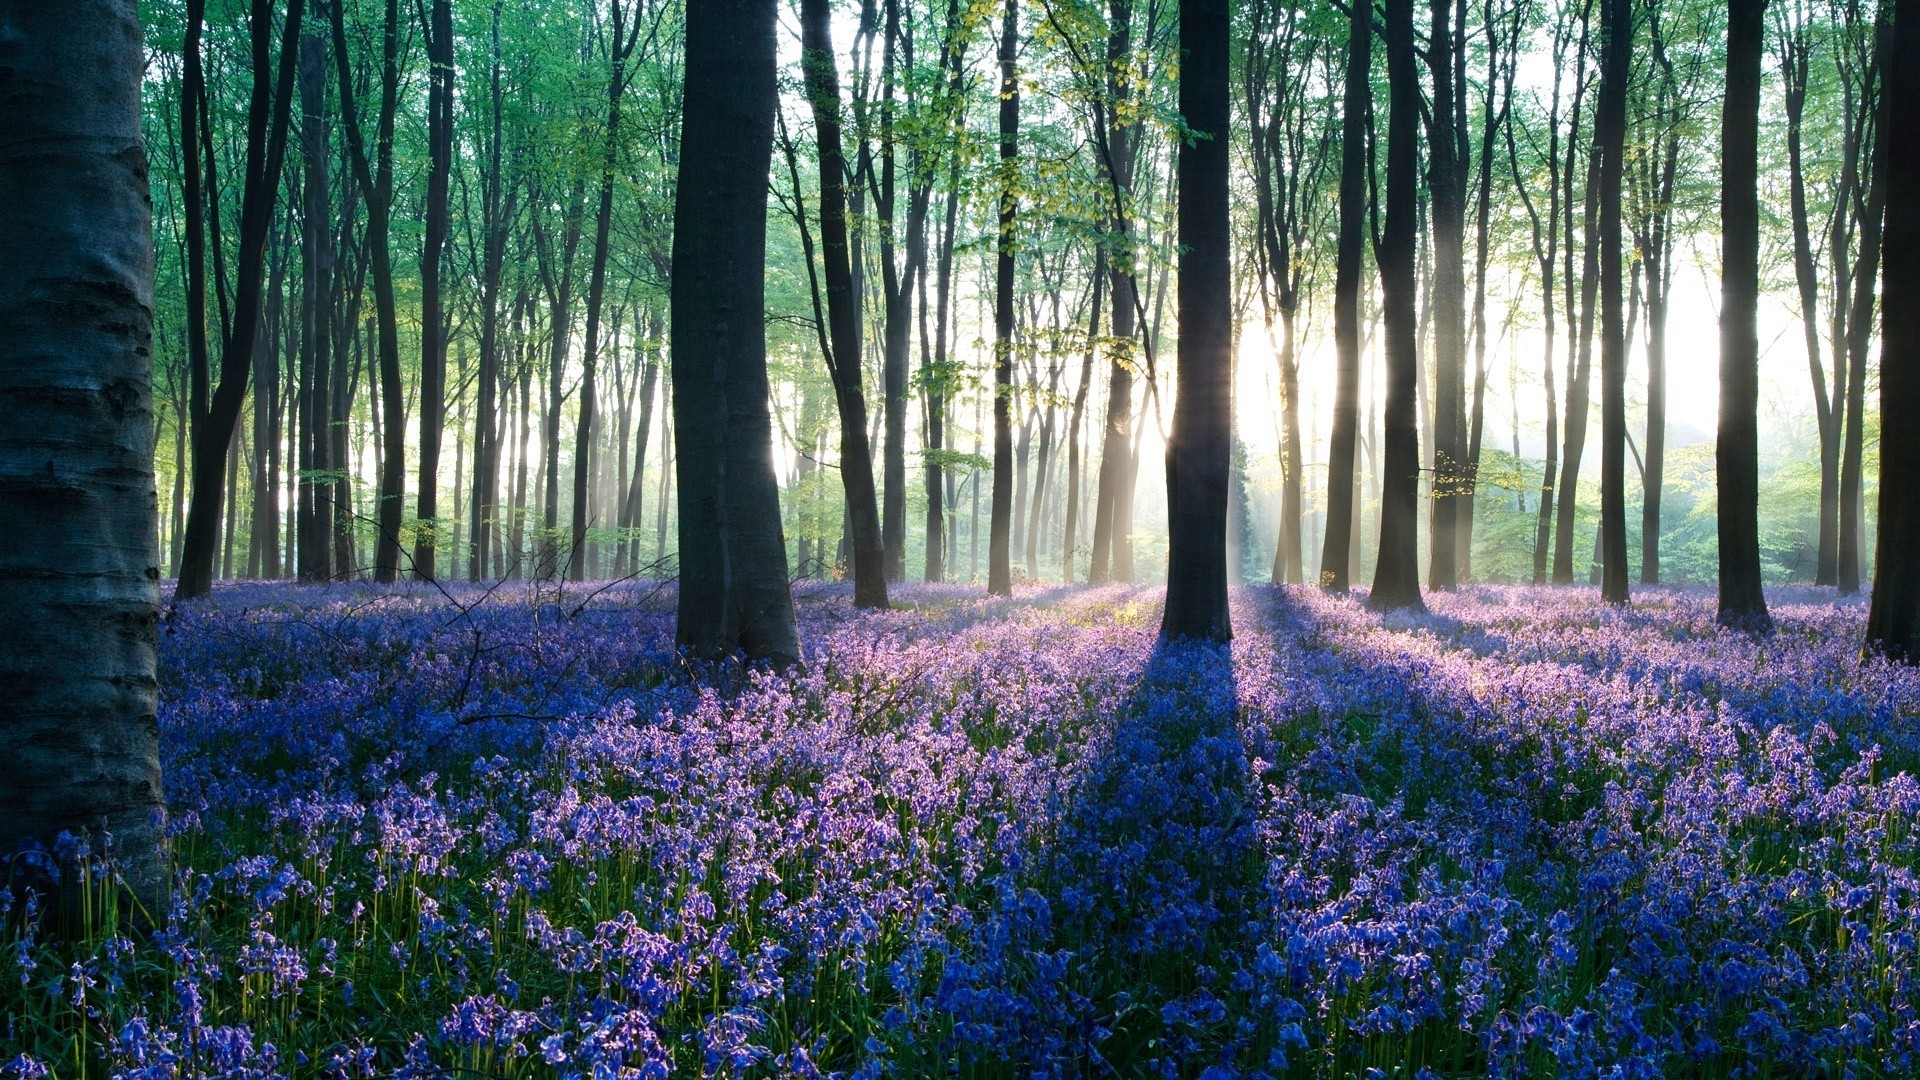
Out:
{"x": 77, "y": 560}
{"x": 1737, "y": 452}
{"x": 1199, "y": 446}
{"x": 843, "y": 309}
{"x": 1336, "y": 564}
{"x": 1893, "y": 622}
{"x": 1396, "y": 579}
{"x": 733, "y": 556}
{"x": 1000, "y": 523}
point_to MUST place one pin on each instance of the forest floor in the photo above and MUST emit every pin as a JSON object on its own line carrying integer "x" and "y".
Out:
{"x": 506, "y": 833}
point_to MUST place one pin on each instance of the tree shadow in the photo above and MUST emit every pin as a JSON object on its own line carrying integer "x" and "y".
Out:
{"x": 1117, "y": 950}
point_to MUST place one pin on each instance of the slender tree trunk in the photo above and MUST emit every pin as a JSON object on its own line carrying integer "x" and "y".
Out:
{"x": 843, "y": 309}
{"x": 433, "y": 342}
{"x": 1893, "y": 622}
{"x": 1072, "y": 524}
{"x": 1610, "y": 131}
{"x": 268, "y": 116}
{"x": 77, "y": 568}
{"x": 1000, "y": 525}
{"x": 1866, "y": 270}
{"x": 1449, "y": 302}
{"x": 621, "y": 48}
{"x": 733, "y": 556}
{"x": 375, "y": 174}
{"x": 1110, "y": 558}
{"x": 315, "y": 496}
{"x": 496, "y": 208}
{"x": 1743, "y": 604}
{"x": 1336, "y": 564}
{"x": 1396, "y": 580}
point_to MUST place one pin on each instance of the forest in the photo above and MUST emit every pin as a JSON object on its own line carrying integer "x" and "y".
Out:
{"x": 863, "y": 538}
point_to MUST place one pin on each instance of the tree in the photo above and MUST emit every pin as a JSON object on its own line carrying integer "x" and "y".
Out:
{"x": 77, "y": 571}
{"x": 433, "y": 336}
{"x": 1000, "y": 523}
{"x": 374, "y": 172}
{"x": 1610, "y": 130}
{"x": 1117, "y": 137}
{"x": 733, "y": 555}
{"x": 1893, "y": 621}
{"x": 1356, "y": 117}
{"x": 842, "y": 348}
{"x": 620, "y": 45}
{"x": 314, "y": 494}
{"x": 1446, "y": 184}
{"x": 1199, "y": 446}
{"x": 1396, "y": 579}
{"x": 1743, "y": 604}
{"x": 217, "y": 408}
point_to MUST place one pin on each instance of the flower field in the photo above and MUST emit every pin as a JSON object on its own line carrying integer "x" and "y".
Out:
{"x": 509, "y": 834}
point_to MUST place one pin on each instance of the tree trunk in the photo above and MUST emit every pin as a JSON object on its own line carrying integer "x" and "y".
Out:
{"x": 1743, "y": 604}
{"x": 1449, "y": 300}
{"x": 843, "y": 309}
{"x": 621, "y": 48}
{"x": 1119, "y": 139}
{"x": 1336, "y": 565}
{"x": 496, "y": 208}
{"x": 1794, "y": 46}
{"x": 733, "y": 556}
{"x": 1866, "y": 270}
{"x": 314, "y": 499}
{"x": 1199, "y": 446}
{"x": 375, "y": 174}
{"x": 268, "y": 115}
{"x": 1000, "y": 524}
{"x": 1396, "y": 580}
{"x": 77, "y": 573}
{"x": 1610, "y": 132}
{"x": 1893, "y": 622}
{"x": 433, "y": 342}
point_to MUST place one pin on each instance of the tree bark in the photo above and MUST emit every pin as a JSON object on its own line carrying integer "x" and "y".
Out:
{"x": 733, "y": 556}
{"x": 1866, "y": 270}
{"x": 375, "y": 175}
{"x": 497, "y": 209}
{"x": 1336, "y": 565}
{"x": 1610, "y": 130}
{"x": 77, "y": 559}
{"x": 843, "y": 308}
{"x": 1396, "y": 579}
{"x": 433, "y": 341}
{"x": 1000, "y": 523}
{"x": 1111, "y": 545}
{"x": 314, "y": 497}
{"x": 268, "y": 115}
{"x": 1449, "y": 300}
{"x": 1893, "y": 621}
{"x": 1199, "y": 446}
{"x": 1743, "y": 604}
